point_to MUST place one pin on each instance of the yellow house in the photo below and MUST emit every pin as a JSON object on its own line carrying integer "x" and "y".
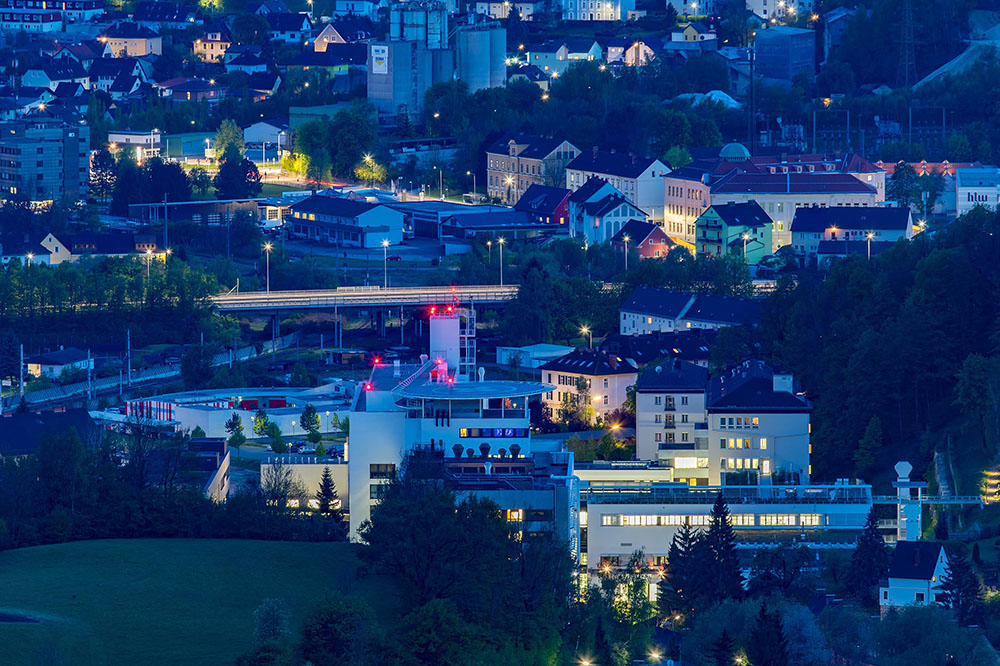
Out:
{"x": 212, "y": 46}
{"x": 130, "y": 40}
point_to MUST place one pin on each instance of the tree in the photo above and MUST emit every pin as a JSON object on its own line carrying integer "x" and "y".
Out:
{"x": 904, "y": 185}
{"x": 869, "y": 563}
{"x": 767, "y": 645}
{"x": 723, "y": 652}
{"x": 868, "y": 447}
{"x": 250, "y": 28}
{"x": 237, "y": 178}
{"x": 270, "y": 621}
{"x": 196, "y": 365}
{"x": 721, "y": 575}
{"x": 129, "y": 188}
{"x": 329, "y": 504}
{"x": 309, "y": 419}
{"x": 234, "y": 426}
{"x": 197, "y": 433}
{"x": 229, "y": 134}
{"x": 962, "y": 591}
{"x": 339, "y": 630}
{"x": 369, "y": 171}
{"x": 200, "y": 180}
{"x": 273, "y": 433}
{"x": 436, "y": 634}
{"x": 103, "y": 174}
{"x": 10, "y": 355}
{"x": 677, "y": 157}
{"x": 260, "y": 422}
{"x": 678, "y": 585}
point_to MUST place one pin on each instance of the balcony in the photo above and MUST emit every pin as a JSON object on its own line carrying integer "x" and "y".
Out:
{"x": 670, "y": 425}
{"x": 670, "y": 408}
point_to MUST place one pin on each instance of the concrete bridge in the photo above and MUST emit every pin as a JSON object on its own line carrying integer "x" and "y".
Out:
{"x": 363, "y": 298}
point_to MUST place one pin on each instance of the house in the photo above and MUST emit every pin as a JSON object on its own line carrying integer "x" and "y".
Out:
{"x": 31, "y": 21}
{"x": 507, "y": 223}
{"x": 366, "y": 8}
{"x": 501, "y": 10}
{"x": 692, "y": 345}
{"x": 288, "y": 27}
{"x": 236, "y": 50}
{"x": 213, "y": 44}
{"x": 812, "y": 226}
{"x": 583, "y": 49}
{"x": 105, "y": 71}
{"x": 632, "y": 52}
{"x": 183, "y": 89}
{"x": 693, "y": 31}
{"x": 598, "y": 211}
{"x": 835, "y": 24}
{"x": 707, "y": 429}
{"x": 264, "y": 84}
{"x": 73, "y": 247}
{"x": 126, "y": 39}
{"x": 545, "y": 204}
{"x": 515, "y": 163}
{"x": 915, "y": 575}
{"x": 531, "y": 74}
{"x": 51, "y": 74}
{"x": 584, "y": 10}
{"x": 605, "y": 377}
{"x": 649, "y": 310}
{"x": 246, "y": 63}
{"x": 345, "y": 222}
{"x": 551, "y": 57}
{"x": 640, "y": 179}
{"x": 53, "y": 364}
{"x": 346, "y": 30}
{"x": 85, "y": 53}
{"x": 743, "y": 229}
{"x": 266, "y": 131}
{"x": 268, "y": 7}
{"x": 648, "y": 240}
{"x": 22, "y": 433}
{"x": 157, "y": 15}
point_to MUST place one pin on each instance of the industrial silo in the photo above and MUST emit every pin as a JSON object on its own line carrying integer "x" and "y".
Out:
{"x": 498, "y": 56}
{"x": 474, "y": 51}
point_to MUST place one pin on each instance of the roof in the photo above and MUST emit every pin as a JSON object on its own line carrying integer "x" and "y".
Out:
{"x": 472, "y": 390}
{"x": 792, "y": 183}
{"x": 542, "y": 200}
{"x": 689, "y": 345}
{"x": 62, "y": 69}
{"x": 338, "y": 206}
{"x": 850, "y": 217}
{"x": 89, "y": 242}
{"x": 536, "y": 147}
{"x": 607, "y": 204}
{"x": 111, "y": 67}
{"x": 497, "y": 219}
{"x": 714, "y": 309}
{"x": 914, "y": 560}
{"x": 246, "y": 60}
{"x": 748, "y": 214}
{"x": 750, "y": 386}
{"x": 655, "y": 302}
{"x": 581, "y": 45}
{"x": 636, "y": 230}
{"x": 335, "y": 54}
{"x": 548, "y": 46}
{"x": 59, "y": 357}
{"x": 588, "y": 189}
{"x": 128, "y": 30}
{"x": 353, "y": 27}
{"x": 624, "y": 165}
{"x": 286, "y": 22}
{"x": 594, "y": 363}
{"x": 678, "y": 375}
{"x": 22, "y": 433}
{"x": 154, "y": 11}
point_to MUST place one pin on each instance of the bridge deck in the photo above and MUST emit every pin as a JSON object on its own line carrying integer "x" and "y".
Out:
{"x": 361, "y": 297}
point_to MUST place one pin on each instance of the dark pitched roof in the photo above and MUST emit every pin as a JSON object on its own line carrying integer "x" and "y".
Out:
{"x": 111, "y": 67}
{"x": 606, "y": 161}
{"x": 636, "y": 230}
{"x": 675, "y": 376}
{"x": 793, "y": 183}
{"x": 326, "y": 205}
{"x": 263, "y": 81}
{"x": 850, "y": 217}
{"x": 588, "y": 189}
{"x": 537, "y": 147}
{"x": 580, "y": 44}
{"x": 914, "y": 560}
{"x": 748, "y": 214}
{"x": 98, "y": 243}
{"x": 530, "y": 72}
{"x": 22, "y": 433}
{"x": 657, "y": 302}
{"x": 59, "y": 357}
{"x": 590, "y": 362}
{"x": 548, "y": 46}
{"x": 128, "y": 30}
{"x": 64, "y": 68}
{"x": 354, "y": 27}
{"x": 154, "y": 11}
{"x": 724, "y": 310}
{"x": 541, "y": 199}
{"x": 335, "y": 54}
{"x": 750, "y": 386}
{"x": 68, "y": 89}
{"x": 688, "y": 345}
{"x": 607, "y": 204}
{"x": 246, "y": 60}
{"x": 286, "y": 22}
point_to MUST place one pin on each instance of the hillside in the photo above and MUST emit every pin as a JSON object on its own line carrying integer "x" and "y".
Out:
{"x": 163, "y": 601}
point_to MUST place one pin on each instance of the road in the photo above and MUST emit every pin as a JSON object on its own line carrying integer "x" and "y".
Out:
{"x": 362, "y": 297}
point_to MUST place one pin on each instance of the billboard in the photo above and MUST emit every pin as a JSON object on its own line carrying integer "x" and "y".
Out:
{"x": 380, "y": 59}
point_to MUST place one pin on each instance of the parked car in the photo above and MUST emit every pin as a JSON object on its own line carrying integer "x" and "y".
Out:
{"x": 394, "y": 257}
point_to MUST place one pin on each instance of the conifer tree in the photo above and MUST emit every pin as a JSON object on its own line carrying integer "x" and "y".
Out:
{"x": 722, "y": 576}
{"x": 327, "y": 497}
{"x": 962, "y": 590}
{"x": 768, "y": 645}
{"x": 869, "y": 562}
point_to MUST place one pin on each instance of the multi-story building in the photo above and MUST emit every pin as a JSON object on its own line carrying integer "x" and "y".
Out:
{"x": 779, "y": 184}
{"x": 44, "y": 159}
{"x": 595, "y": 376}
{"x": 784, "y": 52}
{"x": 652, "y": 310}
{"x": 545, "y": 204}
{"x": 598, "y": 211}
{"x": 976, "y": 186}
{"x": 513, "y": 164}
{"x": 71, "y": 10}
{"x": 501, "y": 10}
{"x": 345, "y": 222}
{"x": 131, "y": 40}
{"x": 30, "y": 20}
{"x": 742, "y": 229}
{"x": 212, "y": 46}
{"x": 640, "y": 179}
{"x": 596, "y": 10}
{"x": 747, "y": 422}
{"x": 812, "y": 228}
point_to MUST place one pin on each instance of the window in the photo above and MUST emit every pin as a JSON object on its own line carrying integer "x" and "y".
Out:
{"x": 658, "y": 400}
{"x": 809, "y": 519}
{"x": 763, "y": 443}
{"x": 919, "y": 597}
{"x": 381, "y": 471}
{"x": 377, "y": 490}
{"x": 684, "y": 400}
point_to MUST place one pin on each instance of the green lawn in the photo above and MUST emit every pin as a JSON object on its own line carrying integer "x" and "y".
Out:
{"x": 164, "y": 601}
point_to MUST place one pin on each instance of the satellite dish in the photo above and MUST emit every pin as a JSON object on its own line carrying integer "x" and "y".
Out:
{"x": 876, "y": 120}
{"x": 903, "y": 469}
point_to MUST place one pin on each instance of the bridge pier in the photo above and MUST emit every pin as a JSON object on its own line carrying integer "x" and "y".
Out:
{"x": 380, "y": 323}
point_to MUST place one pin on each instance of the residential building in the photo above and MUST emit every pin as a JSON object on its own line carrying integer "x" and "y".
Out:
{"x": 515, "y": 163}
{"x": 783, "y": 52}
{"x": 915, "y": 575}
{"x": 345, "y": 222}
{"x": 54, "y": 72}
{"x": 63, "y": 246}
{"x": 583, "y": 49}
{"x": 742, "y": 229}
{"x": 73, "y": 11}
{"x": 632, "y": 52}
{"x": 183, "y": 90}
{"x": 545, "y": 204}
{"x": 650, "y": 310}
{"x": 501, "y": 10}
{"x": 748, "y": 423}
{"x": 640, "y": 179}
{"x": 126, "y": 39}
{"x": 24, "y": 432}
{"x": 976, "y": 186}
{"x": 30, "y": 20}
{"x": 212, "y": 46}
{"x": 648, "y": 240}
{"x": 288, "y": 27}
{"x": 158, "y": 15}
{"x": 367, "y": 8}
{"x": 692, "y": 31}
{"x": 55, "y": 363}
{"x": 594, "y": 10}
{"x": 598, "y": 211}
{"x": 44, "y": 159}
{"x": 347, "y": 30}
{"x": 551, "y": 57}
{"x": 693, "y": 345}
{"x": 586, "y": 375}
{"x": 812, "y": 226}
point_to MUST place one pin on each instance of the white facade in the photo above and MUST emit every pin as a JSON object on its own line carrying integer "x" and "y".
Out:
{"x": 607, "y": 392}
{"x": 762, "y": 442}
{"x": 597, "y": 10}
{"x": 915, "y": 591}
{"x": 634, "y": 323}
{"x": 671, "y": 429}
{"x": 645, "y": 190}
{"x": 976, "y": 186}
{"x": 807, "y": 242}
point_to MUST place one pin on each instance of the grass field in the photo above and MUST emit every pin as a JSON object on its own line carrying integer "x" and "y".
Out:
{"x": 163, "y": 601}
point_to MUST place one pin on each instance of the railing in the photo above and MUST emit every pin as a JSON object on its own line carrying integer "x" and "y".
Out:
{"x": 678, "y": 494}
{"x": 350, "y": 297}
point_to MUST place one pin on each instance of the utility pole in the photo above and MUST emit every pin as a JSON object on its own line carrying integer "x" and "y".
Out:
{"x": 907, "y": 59}
{"x": 166, "y": 238}
{"x": 128, "y": 353}
{"x": 90, "y": 386}
{"x": 20, "y": 367}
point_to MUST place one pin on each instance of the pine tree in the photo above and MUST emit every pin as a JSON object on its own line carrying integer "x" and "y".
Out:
{"x": 723, "y": 651}
{"x": 722, "y": 576}
{"x": 768, "y": 645}
{"x": 676, "y": 585}
{"x": 868, "y": 447}
{"x": 962, "y": 591}
{"x": 869, "y": 563}
{"x": 327, "y": 497}
{"x": 309, "y": 420}
{"x": 10, "y": 355}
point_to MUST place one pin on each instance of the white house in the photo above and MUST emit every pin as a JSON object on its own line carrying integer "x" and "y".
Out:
{"x": 976, "y": 186}
{"x": 652, "y": 310}
{"x": 848, "y": 224}
{"x": 53, "y": 364}
{"x": 597, "y": 10}
{"x": 598, "y": 211}
{"x": 607, "y": 377}
{"x": 914, "y": 575}
{"x": 640, "y": 179}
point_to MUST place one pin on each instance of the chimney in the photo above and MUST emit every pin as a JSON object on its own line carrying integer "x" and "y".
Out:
{"x": 595, "y": 152}
{"x": 395, "y": 368}
{"x": 781, "y": 383}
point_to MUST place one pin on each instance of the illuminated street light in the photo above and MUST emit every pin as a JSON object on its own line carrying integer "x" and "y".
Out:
{"x": 501, "y": 241}
{"x": 385, "y": 263}
{"x": 267, "y": 262}
{"x": 586, "y": 331}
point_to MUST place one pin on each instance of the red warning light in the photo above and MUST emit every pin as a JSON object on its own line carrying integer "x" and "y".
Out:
{"x": 368, "y": 386}
{"x": 451, "y": 380}
{"x": 453, "y": 289}
{"x": 450, "y": 308}
{"x": 433, "y": 309}
{"x": 376, "y": 360}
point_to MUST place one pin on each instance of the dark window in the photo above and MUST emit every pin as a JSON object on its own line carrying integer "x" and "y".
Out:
{"x": 377, "y": 490}
{"x": 381, "y": 471}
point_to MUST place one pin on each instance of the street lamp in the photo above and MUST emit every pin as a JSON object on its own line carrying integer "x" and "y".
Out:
{"x": 489, "y": 247}
{"x": 473, "y": 174}
{"x": 586, "y": 331}
{"x": 501, "y": 242}
{"x": 654, "y": 656}
{"x": 385, "y": 263}
{"x": 30, "y": 256}
{"x": 626, "y": 239}
{"x": 869, "y": 236}
{"x": 745, "y": 236}
{"x": 310, "y": 3}
{"x": 267, "y": 263}
{"x": 149, "y": 259}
